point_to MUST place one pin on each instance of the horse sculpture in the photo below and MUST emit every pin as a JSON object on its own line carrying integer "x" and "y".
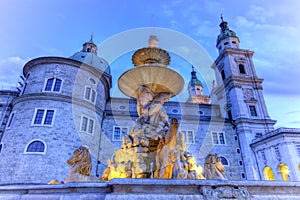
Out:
{"x": 213, "y": 168}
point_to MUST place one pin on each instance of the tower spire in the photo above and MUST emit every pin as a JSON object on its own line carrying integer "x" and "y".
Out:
{"x": 92, "y": 37}
{"x": 195, "y": 89}
{"x": 228, "y": 37}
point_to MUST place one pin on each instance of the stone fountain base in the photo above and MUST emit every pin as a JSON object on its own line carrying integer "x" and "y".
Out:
{"x": 136, "y": 189}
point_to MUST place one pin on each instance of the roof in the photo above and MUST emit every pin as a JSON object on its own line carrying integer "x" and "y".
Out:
{"x": 91, "y": 60}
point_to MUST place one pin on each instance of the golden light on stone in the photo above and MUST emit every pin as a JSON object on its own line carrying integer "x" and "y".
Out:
{"x": 148, "y": 56}
{"x": 154, "y": 148}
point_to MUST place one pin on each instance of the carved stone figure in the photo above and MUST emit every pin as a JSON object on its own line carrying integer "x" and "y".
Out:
{"x": 168, "y": 155}
{"x": 150, "y": 106}
{"x": 156, "y": 113}
{"x": 144, "y": 97}
{"x": 213, "y": 168}
{"x": 81, "y": 166}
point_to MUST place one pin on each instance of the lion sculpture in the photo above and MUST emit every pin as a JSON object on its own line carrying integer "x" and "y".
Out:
{"x": 213, "y": 168}
{"x": 81, "y": 163}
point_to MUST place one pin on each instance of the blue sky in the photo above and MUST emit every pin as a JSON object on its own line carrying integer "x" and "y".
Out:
{"x": 32, "y": 28}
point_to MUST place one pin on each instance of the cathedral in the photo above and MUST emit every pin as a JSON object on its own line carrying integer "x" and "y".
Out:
{"x": 63, "y": 103}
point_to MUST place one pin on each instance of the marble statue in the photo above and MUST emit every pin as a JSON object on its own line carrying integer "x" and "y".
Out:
{"x": 81, "y": 163}
{"x": 153, "y": 148}
{"x": 213, "y": 168}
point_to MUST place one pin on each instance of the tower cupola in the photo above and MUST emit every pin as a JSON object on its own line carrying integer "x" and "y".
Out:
{"x": 195, "y": 86}
{"x": 227, "y": 38}
{"x": 90, "y": 46}
{"x": 195, "y": 89}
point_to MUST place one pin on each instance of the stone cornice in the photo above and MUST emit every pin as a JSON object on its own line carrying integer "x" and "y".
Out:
{"x": 57, "y": 98}
{"x": 106, "y": 78}
{"x": 276, "y": 133}
{"x": 230, "y": 51}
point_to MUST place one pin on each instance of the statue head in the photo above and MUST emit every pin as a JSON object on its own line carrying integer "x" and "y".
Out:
{"x": 82, "y": 159}
{"x": 152, "y": 41}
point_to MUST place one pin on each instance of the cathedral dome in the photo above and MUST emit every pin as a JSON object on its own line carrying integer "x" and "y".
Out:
{"x": 92, "y": 60}
{"x": 88, "y": 55}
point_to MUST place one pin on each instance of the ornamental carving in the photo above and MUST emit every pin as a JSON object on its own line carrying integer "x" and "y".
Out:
{"x": 248, "y": 94}
{"x": 225, "y": 192}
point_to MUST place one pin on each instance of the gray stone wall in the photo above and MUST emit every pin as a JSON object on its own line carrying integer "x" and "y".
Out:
{"x": 65, "y": 134}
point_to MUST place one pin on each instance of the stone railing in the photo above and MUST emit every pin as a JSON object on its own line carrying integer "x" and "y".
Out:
{"x": 134, "y": 189}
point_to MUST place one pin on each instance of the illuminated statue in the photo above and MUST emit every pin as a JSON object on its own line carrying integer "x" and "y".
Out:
{"x": 213, "y": 168}
{"x": 81, "y": 166}
{"x": 153, "y": 148}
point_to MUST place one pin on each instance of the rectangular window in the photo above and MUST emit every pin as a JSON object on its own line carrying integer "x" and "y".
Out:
{"x": 221, "y": 138}
{"x": 49, "y": 84}
{"x": 49, "y": 117}
{"x": 118, "y": 133}
{"x": 57, "y": 85}
{"x": 90, "y": 94}
{"x": 84, "y": 122}
{"x": 43, "y": 117}
{"x": 87, "y": 125}
{"x": 253, "y": 111}
{"x": 87, "y": 93}
{"x": 218, "y": 138}
{"x": 39, "y": 117}
{"x": 10, "y": 120}
{"x": 91, "y": 126}
{"x": 53, "y": 85}
{"x": 93, "y": 96}
{"x": 189, "y": 136}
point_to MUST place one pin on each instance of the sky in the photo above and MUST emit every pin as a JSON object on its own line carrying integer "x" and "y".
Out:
{"x": 270, "y": 28}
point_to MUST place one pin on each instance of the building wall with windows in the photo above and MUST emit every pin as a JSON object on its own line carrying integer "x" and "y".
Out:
{"x": 65, "y": 103}
{"x": 53, "y": 115}
{"x": 278, "y": 154}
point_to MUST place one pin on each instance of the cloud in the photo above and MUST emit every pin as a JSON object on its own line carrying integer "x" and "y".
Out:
{"x": 10, "y": 69}
{"x": 277, "y": 52}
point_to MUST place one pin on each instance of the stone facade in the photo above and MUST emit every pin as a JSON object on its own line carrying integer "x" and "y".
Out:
{"x": 65, "y": 103}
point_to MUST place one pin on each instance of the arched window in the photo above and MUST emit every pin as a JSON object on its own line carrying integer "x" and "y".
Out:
{"x": 268, "y": 173}
{"x": 224, "y": 161}
{"x": 36, "y": 146}
{"x": 1, "y": 146}
{"x": 284, "y": 171}
{"x": 242, "y": 69}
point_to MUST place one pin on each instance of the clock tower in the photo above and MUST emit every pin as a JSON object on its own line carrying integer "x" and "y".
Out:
{"x": 240, "y": 92}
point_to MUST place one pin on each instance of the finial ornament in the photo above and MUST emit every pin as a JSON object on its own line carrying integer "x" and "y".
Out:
{"x": 153, "y": 41}
{"x": 92, "y": 36}
{"x": 222, "y": 18}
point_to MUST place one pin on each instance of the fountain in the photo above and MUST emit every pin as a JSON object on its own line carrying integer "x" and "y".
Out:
{"x": 153, "y": 148}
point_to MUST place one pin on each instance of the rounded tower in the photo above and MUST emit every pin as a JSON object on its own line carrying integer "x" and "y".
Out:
{"x": 60, "y": 107}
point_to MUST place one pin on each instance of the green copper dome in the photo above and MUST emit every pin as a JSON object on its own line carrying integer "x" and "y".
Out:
{"x": 225, "y": 31}
{"x": 194, "y": 80}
